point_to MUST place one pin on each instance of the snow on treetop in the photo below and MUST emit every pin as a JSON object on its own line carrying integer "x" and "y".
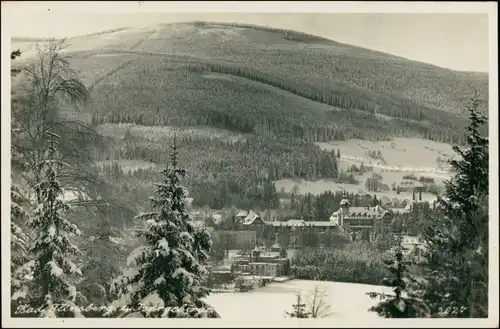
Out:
{"x": 51, "y": 231}
{"x": 136, "y": 253}
{"x": 19, "y": 294}
{"x": 186, "y": 237}
{"x": 72, "y": 292}
{"x": 159, "y": 281}
{"x": 181, "y": 271}
{"x": 153, "y": 299}
{"x": 73, "y": 268}
{"x": 54, "y": 269}
{"x": 163, "y": 244}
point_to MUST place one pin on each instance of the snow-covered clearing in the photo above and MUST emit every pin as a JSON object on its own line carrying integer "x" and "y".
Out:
{"x": 346, "y": 300}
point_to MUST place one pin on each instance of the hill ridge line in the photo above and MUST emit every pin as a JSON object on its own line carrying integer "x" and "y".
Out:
{"x": 320, "y": 39}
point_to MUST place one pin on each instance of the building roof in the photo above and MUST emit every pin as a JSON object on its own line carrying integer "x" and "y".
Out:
{"x": 344, "y": 202}
{"x": 362, "y": 212}
{"x": 216, "y": 218}
{"x": 302, "y": 223}
{"x": 263, "y": 263}
{"x": 406, "y": 183}
{"x": 296, "y": 222}
{"x": 323, "y": 223}
{"x": 221, "y": 272}
{"x": 198, "y": 223}
{"x": 400, "y": 210}
{"x": 334, "y": 219}
{"x": 242, "y": 213}
{"x": 251, "y": 217}
{"x": 291, "y": 222}
{"x": 276, "y": 246}
{"x": 408, "y": 239}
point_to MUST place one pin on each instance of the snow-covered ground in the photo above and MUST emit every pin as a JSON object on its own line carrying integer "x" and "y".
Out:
{"x": 346, "y": 300}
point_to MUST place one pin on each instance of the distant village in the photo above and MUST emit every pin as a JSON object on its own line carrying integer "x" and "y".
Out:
{"x": 262, "y": 250}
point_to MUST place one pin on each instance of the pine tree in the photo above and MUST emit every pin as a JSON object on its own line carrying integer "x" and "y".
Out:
{"x": 19, "y": 239}
{"x": 19, "y": 215}
{"x": 457, "y": 239}
{"x": 170, "y": 271}
{"x": 299, "y": 309}
{"x": 404, "y": 302}
{"x": 48, "y": 275}
{"x": 20, "y": 207}
{"x": 471, "y": 178}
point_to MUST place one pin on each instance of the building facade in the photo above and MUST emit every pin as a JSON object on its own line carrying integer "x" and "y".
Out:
{"x": 241, "y": 239}
{"x": 362, "y": 222}
{"x": 355, "y": 222}
{"x": 268, "y": 265}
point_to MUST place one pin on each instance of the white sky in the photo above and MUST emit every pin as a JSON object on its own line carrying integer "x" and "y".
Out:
{"x": 457, "y": 41}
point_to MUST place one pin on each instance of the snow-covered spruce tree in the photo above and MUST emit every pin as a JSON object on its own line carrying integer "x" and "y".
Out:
{"x": 19, "y": 246}
{"x": 471, "y": 178}
{"x": 299, "y": 309}
{"x": 170, "y": 267}
{"x": 404, "y": 302}
{"x": 20, "y": 207}
{"x": 457, "y": 239}
{"x": 48, "y": 284}
{"x": 19, "y": 214}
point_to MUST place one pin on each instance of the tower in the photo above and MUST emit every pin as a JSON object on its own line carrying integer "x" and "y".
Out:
{"x": 344, "y": 209}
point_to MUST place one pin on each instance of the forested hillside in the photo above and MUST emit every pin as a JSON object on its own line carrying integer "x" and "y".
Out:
{"x": 270, "y": 82}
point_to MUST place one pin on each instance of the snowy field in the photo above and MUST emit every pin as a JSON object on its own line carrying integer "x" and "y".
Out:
{"x": 323, "y": 185}
{"x": 403, "y": 156}
{"x": 407, "y": 154}
{"x": 346, "y": 300}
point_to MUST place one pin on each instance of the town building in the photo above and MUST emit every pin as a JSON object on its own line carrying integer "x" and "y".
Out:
{"x": 362, "y": 221}
{"x": 355, "y": 222}
{"x": 240, "y": 239}
{"x": 269, "y": 265}
{"x": 240, "y": 217}
{"x": 408, "y": 185}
